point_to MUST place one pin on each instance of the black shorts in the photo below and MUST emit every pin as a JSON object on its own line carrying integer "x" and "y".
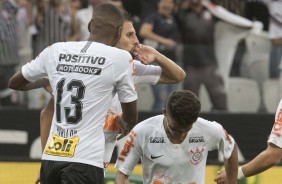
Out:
{"x": 58, "y": 172}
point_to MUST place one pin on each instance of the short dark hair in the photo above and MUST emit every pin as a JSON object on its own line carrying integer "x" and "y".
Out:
{"x": 106, "y": 19}
{"x": 127, "y": 16}
{"x": 183, "y": 106}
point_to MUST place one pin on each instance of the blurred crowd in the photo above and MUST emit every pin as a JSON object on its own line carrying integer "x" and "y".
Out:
{"x": 186, "y": 31}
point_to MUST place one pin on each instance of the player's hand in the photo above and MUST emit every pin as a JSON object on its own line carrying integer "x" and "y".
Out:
{"x": 37, "y": 178}
{"x": 112, "y": 122}
{"x": 124, "y": 129}
{"x": 144, "y": 53}
{"x": 221, "y": 178}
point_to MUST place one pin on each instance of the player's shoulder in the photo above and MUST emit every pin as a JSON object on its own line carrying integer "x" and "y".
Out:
{"x": 63, "y": 46}
{"x": 137, "y": 62}
{"x": 121, "y": 52}
{"x": 150, "y": 124}
{"x": 206, "y": 125}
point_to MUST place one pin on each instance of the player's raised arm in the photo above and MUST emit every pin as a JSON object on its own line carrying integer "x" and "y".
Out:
{"x": 171, "y": 72}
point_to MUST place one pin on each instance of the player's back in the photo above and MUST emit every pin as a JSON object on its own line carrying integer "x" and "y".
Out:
{"x": 84, "y": 77}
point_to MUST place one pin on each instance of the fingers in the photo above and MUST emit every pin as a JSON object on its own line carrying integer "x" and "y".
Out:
{"x": 221, "y": 178}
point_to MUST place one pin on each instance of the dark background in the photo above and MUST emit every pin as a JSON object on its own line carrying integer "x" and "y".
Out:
{"x": 249, "y": 130}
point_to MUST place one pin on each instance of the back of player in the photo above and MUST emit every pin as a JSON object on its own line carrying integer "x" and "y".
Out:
{"x": 83, "y": 76}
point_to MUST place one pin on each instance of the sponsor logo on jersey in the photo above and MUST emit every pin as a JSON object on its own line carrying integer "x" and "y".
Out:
{"x": 156, "y": 140}
{"x": 277, "y": 125}
{"x": 63, "y": 147}
{"x": 196, "y": 139}
{"x": 81, "y": 59}
{"x": 196, "y": 155}
{"x": 127, "y": 146}
{"x": 79, "y": 69}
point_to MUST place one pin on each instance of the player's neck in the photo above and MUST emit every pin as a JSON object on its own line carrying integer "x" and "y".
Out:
{"x": 173, "y": 138}
{"x": 105, "y": 40}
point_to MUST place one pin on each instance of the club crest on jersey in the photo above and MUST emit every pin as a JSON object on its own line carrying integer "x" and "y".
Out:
{"x": 156, "y": 140}
{"x": 197, "y": 155}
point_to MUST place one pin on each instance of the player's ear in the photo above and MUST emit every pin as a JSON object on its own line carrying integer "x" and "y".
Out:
{"x": 117, "y": 35}
{"x": 163, "y": 111}
{"x": 119, "y": 32}
{"x": 89, "y": 24}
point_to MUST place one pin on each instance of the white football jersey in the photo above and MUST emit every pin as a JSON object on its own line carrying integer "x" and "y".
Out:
{"x": 276, "y": 133}
{"x": 167, "y": 163}
{"x": 84, "y": 77}
{"x": 144, "y": 74}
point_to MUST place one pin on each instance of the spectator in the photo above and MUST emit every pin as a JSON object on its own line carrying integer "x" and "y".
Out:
{"x": 275, "y": 32}
{"x": 83, "y": 17}
{"x": 160, "y": 30}
{"x": 257, "y": 10}
{"x": 24, "y": 21}
{"x": 9, "y": 58}
{"x": 197, "y": 28}
{"x": 53, "y": 24}
{"x": 74, "y": 7}
{"x": 134, "y": 8}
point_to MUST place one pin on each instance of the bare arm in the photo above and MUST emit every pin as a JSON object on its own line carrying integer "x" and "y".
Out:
{"x": 171, "y": 72}
{"x": 121, "y": 178}
{"x": 146, "y": 31}
{"x": 265, "y": 160}
{"x": 18, "y": 82}
{"x": 231, "y": 166}
{"x": 223, "y": 14}
{"x": 129, "y": 118}
{"x": 46, "y": 116}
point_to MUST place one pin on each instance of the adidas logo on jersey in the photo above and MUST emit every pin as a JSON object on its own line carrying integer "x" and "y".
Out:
{"x": 157, "y": 140}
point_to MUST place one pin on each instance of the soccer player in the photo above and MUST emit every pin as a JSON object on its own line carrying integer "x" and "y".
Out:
{"x": 266, "y": 159}
{"x": 84, "y": 77}
{"x": 174, "y": 146}
{"x": 167, "y": 72}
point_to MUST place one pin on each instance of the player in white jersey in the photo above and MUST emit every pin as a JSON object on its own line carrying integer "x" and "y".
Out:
{"x": 167, "y": 72}
{"x": 84, "y": 77}
{"x": 267, "y": 158}
{"x": 174, "y": 146}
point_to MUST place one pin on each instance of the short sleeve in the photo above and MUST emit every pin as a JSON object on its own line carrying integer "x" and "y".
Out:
{"x": 130, "y": 153}
{"x": 276, "y": 133}
{"x": 125, "y": 78}
{"x": 36, "y": 69}
{"x": 222, "y": 141}
{"x": 146, "y": 74}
